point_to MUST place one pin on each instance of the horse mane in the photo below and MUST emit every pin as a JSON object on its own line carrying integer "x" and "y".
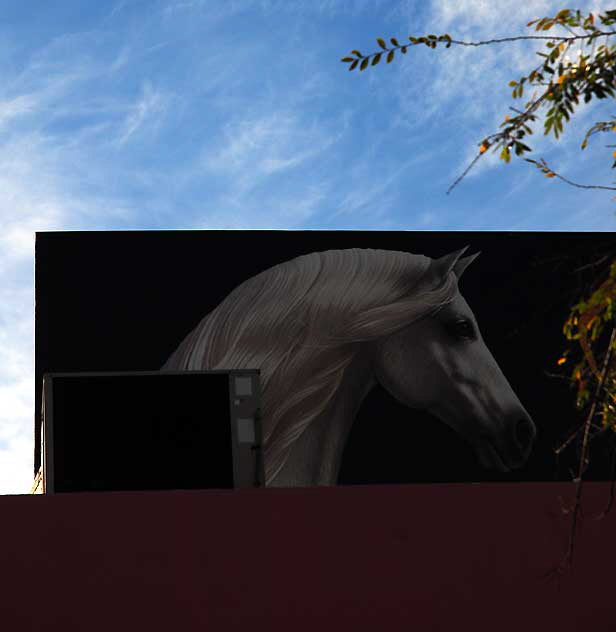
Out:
{"x": 300, "y": 323}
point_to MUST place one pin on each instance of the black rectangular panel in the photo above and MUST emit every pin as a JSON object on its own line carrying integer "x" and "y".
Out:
{"x": 140, "y": 431}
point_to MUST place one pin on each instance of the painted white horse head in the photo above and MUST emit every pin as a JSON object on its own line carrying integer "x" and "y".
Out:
{"x": 324, "y": 328}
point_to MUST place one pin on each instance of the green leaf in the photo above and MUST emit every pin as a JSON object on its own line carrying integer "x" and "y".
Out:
{"x": 364, "y": 63}
{"x": 356, "y": 52}
{"x": 352, "y": 66}
{"x": 394, "y": 41}
{"x": 377, "y": 59}
{"x": 347, "y": 59}
{"x": 390, "y": 56}
{"x": 403, "y": 49}
{"x": 381, "y": 43}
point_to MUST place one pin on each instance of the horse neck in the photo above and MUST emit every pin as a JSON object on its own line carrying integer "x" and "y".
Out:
{"x": 315, "y": 458}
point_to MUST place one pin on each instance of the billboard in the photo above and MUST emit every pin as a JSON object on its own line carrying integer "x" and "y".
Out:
{"x": 385, "y": 357}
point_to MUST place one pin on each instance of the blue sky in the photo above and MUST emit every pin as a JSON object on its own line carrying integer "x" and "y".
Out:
{"x": 196, "y": 114}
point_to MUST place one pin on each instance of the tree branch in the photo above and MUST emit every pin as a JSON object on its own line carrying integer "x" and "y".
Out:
{"x": 568, "y": 560}
{"x": 543, "y": 166}
{"x": 463, "y": 174}
{"x": 553, "y": 38}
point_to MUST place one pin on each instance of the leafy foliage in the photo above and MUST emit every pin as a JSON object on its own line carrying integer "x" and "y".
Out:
{"x": 587, "y": 327}
{"x": 562, "y": 82}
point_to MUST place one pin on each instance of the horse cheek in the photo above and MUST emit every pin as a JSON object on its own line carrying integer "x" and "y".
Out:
{"x": 396, "y": 374}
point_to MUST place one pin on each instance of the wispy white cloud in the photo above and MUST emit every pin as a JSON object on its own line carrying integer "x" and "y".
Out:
{"x": 373, "y": 196}
{"x": 216, "y": 12}
{"x": 489, "y": 16}
{"x": 255, "y": 148}
{"x": 147, "y": 110}
{"x": 278, "y": 210}
{"x": 15, "y": 107}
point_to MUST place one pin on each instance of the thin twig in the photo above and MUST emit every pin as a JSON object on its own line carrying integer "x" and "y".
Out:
{"x": 581, "y": 186}
{"x": 584, "y": 456}
{"x": 592, "y": 264}
{"x": 462, "y": 176}
{"x": 559, "y": 38}
{"x": 557, "y": 376}
{"x": 566, "y": 443}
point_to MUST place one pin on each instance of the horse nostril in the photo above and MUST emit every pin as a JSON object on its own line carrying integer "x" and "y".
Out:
{"x": 524, "y": 433}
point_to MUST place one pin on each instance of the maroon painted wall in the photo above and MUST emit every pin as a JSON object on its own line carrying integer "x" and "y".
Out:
{"x": 421, "y": 557}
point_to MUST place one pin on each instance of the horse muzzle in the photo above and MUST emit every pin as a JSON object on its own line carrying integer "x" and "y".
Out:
{"x": 511, "y": 449}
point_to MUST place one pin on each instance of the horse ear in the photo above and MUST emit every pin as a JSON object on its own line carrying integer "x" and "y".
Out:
{"x": 461, "y": 264}
{"x": 448, "y": 263}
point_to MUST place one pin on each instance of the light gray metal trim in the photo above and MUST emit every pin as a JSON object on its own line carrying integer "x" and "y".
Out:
{"x": 247, "y": 459}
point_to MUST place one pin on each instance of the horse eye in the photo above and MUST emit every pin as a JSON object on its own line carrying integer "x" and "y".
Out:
{"x": 462, "y": 328}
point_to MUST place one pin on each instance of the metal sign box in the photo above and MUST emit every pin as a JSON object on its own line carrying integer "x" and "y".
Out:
{"x": 151, "y": 430}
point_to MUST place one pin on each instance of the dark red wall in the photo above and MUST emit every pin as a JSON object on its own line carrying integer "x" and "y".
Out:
{"x": 422, "y": 557}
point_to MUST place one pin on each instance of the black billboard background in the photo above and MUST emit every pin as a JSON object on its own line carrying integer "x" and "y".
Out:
{"x": 123, "y": 301}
